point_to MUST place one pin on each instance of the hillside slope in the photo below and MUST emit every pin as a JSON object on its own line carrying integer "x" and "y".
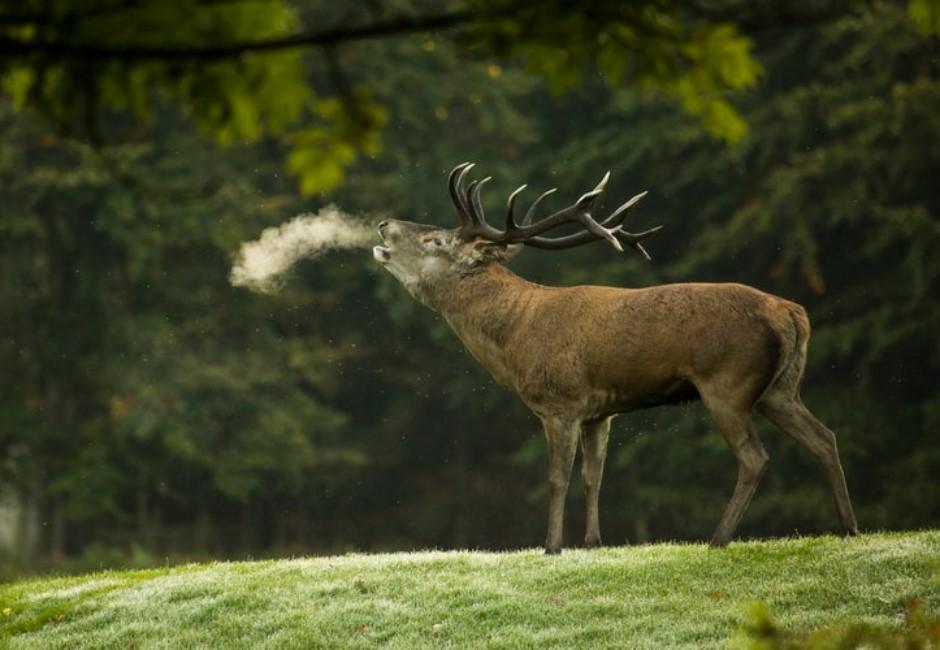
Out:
{"x": 658, "y": 596}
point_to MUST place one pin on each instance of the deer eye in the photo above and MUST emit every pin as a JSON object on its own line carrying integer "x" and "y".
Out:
{"x": 434, "y": 241}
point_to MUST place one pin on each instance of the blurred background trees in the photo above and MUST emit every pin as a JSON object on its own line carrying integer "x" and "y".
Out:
{"x": 148, "y": 410}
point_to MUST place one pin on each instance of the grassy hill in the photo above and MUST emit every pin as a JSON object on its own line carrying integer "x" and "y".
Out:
{"x": 658, "y": 596}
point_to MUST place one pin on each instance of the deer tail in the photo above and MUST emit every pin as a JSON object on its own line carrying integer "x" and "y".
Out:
{"x": 793, "y": 345}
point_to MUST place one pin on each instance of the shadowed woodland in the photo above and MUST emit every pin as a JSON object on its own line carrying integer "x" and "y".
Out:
{"x": 150, "y": 412}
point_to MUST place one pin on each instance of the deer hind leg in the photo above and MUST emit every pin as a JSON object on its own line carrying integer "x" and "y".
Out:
{"x": 562, "y": 435}
{"x": 787, "y": 411}
{"x": 593, "y": 453}
{"x": 737, "y": 428}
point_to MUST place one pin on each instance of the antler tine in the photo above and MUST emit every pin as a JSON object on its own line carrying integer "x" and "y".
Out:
{"x": 510, "y": 202}
{"x": 600, "y": 231}
{"x": 473, "y": 193}
{"x": 454, "y": 179}
{"x": 633, "y": 239}
{"x": 460, "y": 177}
{"x": 453, "y": 173}
{"x": 622, "y": 211}
{"x": 467, "y": 167}
{"x": 472, "y": 222}
{"x": 558, "y": 243}
{"x": 610, "y": 224}
{"x": 535, "y": 204}
{"x": 469, "y": 206}
{"x": 579, "y": 212}
{"x": 588, "y": 198}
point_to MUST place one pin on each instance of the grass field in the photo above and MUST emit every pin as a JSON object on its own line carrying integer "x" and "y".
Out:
{"x": 657, "y": 596}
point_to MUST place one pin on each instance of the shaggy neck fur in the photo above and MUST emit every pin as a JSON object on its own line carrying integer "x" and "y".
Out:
{"x": 484, "y": 308}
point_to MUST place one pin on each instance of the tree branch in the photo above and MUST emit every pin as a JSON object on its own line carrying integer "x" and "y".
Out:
{"x": 397, "y": 26}
{"x": 752, "y": 18}
{"x": 104, "y": 11}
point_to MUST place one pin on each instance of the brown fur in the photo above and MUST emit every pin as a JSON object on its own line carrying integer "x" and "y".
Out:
{"x": 577, "y": 356}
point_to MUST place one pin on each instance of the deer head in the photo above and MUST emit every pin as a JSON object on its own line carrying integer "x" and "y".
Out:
{"x": 423, "y": 257}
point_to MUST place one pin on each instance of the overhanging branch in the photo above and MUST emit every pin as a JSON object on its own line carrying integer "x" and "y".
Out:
{"x": 396, "y": 26}
{"x": 755, "y": 19}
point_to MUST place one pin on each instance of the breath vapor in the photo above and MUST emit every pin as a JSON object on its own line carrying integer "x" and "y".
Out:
{"x": 260, "y": 265}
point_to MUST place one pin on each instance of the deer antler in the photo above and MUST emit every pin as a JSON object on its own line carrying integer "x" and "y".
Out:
{"x": 473, "y": 221}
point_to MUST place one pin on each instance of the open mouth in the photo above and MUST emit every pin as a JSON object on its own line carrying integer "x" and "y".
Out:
{"x": 381, "y": 253}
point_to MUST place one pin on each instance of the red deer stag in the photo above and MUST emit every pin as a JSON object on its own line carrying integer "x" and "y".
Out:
{"x": 577, "y": 356}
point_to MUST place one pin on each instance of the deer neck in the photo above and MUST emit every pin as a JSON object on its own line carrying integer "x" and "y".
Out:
{"x": 485, "y": 309}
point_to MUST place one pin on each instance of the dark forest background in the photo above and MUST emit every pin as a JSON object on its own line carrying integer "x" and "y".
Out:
{"x": 152, "y": 413}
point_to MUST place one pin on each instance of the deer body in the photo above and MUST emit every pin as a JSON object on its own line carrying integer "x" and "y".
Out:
{"x": 651, "y": 350}
{"x": 577, "y": 356}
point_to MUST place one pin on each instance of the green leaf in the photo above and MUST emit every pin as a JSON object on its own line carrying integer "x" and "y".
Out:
{"x": 926, "y": 16}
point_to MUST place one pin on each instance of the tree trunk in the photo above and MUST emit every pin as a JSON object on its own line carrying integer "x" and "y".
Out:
{"x": 641, "y": 530}
{"x": 462, "y": 481}
{"x": 57, "y": 531}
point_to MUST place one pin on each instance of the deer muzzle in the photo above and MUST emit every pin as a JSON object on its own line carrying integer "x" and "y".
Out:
{"x": 381, "y": 253}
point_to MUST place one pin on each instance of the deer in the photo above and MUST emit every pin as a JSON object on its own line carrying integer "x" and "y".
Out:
{"x": 578, "y": 356}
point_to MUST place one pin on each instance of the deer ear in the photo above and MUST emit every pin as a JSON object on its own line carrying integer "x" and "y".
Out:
{"x": 511, "y": 250}
{"x": 487, "y": 251}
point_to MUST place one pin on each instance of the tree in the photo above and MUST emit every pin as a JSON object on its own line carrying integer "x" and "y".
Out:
{"x": 131, "y": 396}
{"x": 237, "y": 68}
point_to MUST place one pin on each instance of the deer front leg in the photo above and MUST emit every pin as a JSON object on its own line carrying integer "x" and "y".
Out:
{"x": 593, "y": 453}
{"x": 562, "y": 436}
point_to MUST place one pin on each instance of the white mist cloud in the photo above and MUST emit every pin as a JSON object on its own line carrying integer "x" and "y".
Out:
{"x": 260, "y": 265}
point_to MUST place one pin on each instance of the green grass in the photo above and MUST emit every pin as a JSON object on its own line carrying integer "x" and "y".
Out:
{"x": 658, "y": 596}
